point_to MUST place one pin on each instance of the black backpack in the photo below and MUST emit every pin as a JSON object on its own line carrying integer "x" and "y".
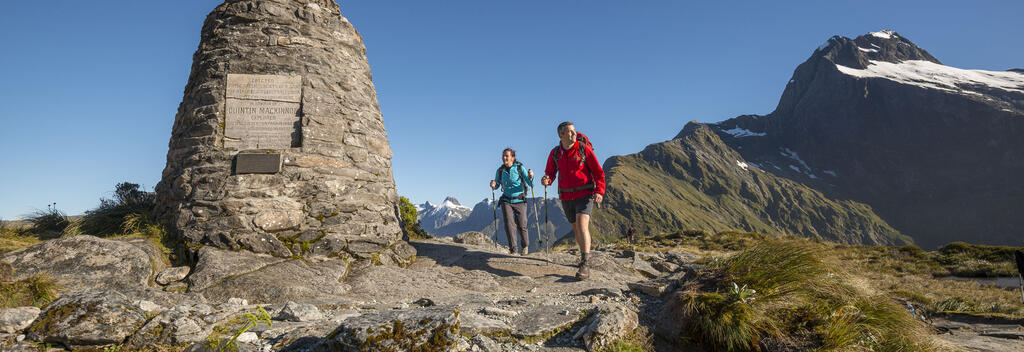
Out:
{"x": 583, "y": 143}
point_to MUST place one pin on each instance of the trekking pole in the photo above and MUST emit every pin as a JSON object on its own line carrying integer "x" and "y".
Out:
{"x": 536, "y": 223}
{"x": 494, "y": 210}
{"x": 547, "y": 239}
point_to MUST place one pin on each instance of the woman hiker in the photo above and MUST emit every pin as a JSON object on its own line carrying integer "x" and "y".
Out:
{"x": 580, "y": 185}
{"x": 513, "y": 182}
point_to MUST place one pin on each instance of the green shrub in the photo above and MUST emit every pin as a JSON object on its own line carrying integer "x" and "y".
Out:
{"x": 410, "y": 225}
{"x": 109, "y": 217}
{"x": 49, "y": 223}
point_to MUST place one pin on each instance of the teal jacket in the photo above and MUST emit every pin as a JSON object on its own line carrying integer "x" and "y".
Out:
{"x": 513, "y": 189}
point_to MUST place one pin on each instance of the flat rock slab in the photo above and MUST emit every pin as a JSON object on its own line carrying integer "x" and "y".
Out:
{"x": 400, "y": 330}
{"x": 471, "y": 324}
{"x": 82, "y": 263}
{"x": 87, "y": 318}
{"x": 221, "y": 274}
{"x": 13, "y": 320}
{"x": 544, "y": 320}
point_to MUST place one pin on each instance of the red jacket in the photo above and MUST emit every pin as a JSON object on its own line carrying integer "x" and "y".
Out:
{"x": 573, "y": 175}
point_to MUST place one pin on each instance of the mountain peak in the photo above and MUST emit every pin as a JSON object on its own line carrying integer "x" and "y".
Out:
{"x": 885, "y": 45}
{"x": 452, "y": 200}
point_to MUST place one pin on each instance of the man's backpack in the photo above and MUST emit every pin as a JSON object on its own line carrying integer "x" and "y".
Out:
{"x": 583, "y": 142}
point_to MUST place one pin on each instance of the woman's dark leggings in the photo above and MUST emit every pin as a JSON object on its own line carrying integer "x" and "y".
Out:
{"x": 516, "y": 211}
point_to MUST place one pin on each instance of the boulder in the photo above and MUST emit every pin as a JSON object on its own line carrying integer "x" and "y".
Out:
{"x": 609, "y": 323}
{"x": 81, "y": 263}
{"x": 431, "y": 328}
{"x": 474, "y": 238}
{"x": 181, "y": 325}
{"x": 14, "y": 320}
{"x": 86, "y": 318}
{"x": 170, "y": 275}
{"x": 300, "y": 312}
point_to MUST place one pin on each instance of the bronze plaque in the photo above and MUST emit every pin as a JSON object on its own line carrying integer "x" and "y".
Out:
{"x": 262, "y": 112}
{"x": 257, "y": 163}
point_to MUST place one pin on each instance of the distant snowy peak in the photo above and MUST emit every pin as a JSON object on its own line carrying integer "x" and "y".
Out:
{"x": 450, "y": 202}
{"x": 449, "y": 211}
{"x": 884, "y": 46}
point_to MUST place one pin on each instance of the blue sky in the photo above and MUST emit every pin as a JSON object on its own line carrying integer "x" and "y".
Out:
{"x": 89, "y": 89}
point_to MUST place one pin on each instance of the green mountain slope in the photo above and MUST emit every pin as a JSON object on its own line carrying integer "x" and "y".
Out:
{"x": 696, "y": 181}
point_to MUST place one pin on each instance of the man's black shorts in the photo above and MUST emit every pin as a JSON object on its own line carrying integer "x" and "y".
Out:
{"x": 581, "y": 205}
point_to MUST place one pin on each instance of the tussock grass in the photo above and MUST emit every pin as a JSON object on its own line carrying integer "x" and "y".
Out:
{"x": 638, "y": 340}
{"x": 14, "y": 237}
{"x": 49, "y": 223}
{"x": 37, "y": 290}
{"x": 111, "y": 216}
{"x": 786, "y": 291}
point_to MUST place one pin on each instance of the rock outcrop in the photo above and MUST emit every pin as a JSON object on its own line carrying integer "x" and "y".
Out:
{"x": 278, "y": 146}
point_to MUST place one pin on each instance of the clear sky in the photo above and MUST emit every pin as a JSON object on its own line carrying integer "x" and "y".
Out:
{"x": 90, "y": 88}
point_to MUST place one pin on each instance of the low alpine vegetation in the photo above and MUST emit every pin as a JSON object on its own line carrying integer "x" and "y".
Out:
{"x": 410, "y": 225}
{"x": 127, "y": 212}
{"x": 49, "y": 223}
{"x": 38, "y": 290}
{"x": 781, "y": 293}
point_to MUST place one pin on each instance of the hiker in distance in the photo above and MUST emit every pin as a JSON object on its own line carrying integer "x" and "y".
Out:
{"x": 513, "y": 182}
{"x": 580, "y": 186}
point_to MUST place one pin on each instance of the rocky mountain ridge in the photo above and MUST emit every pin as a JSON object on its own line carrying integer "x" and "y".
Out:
{"x": 928, "y": 146}
{"x": 927, "y": 149}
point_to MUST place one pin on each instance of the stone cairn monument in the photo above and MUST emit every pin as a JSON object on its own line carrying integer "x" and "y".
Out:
{"x": 278, "y": 146}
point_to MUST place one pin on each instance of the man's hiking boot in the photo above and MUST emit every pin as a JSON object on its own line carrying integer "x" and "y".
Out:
{"x": 584, "y": 267}
{"x": 525, "y": 251}
{"x": 584, "y": 272}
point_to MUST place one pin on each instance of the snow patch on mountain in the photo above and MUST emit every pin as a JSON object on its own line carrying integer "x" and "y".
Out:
{"x": 885, "y": 34}
{"x": 932, "y": 75}
{"x": 804, "y": 169}
{"x": 740, "y": 132}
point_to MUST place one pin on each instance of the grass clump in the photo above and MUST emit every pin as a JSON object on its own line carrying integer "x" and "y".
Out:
{"x": 50, "y": 223}
{"x": 14, "y": 237}
{"x": 128, "y": 212}
{"x": 637, "y": 340}
{"x": 36, "y": 290}
{"x": 782, "y": 292}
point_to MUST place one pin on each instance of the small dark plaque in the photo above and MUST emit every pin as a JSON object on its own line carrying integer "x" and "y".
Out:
{"x": 261, "y": 163}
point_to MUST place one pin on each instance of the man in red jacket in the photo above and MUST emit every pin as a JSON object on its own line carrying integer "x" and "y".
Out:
{"x": 580, "y": 186}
